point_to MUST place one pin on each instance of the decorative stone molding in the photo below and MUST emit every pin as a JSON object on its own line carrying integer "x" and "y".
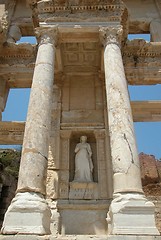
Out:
{"x": 142, "y": 62}
{"x": 112, "y": 34}
{"x": 50, "y": 6}
{"x": 67, "y": 11}
{"x": 141, "y": 48}
{"x": 19, "y": 54}
{"x": 12, "y": 126}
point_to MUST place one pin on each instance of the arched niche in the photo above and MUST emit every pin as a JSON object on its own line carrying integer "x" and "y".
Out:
{"x": 74, "y": 140}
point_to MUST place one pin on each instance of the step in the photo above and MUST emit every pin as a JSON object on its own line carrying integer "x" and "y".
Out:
{"x": 80, "y": 237}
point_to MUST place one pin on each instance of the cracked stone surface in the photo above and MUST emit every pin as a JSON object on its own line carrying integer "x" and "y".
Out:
{"x": 122, "y": 138}
{"x": 36, "y": 137}
{"x": 29, "y": 212}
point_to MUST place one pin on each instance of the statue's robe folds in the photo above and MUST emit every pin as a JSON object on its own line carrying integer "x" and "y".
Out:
{"x": 83, "y": 163}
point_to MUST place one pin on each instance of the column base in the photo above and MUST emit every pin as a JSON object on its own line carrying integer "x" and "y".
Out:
{"x": 28, "y": 214}
{"x": 131, "y": 214}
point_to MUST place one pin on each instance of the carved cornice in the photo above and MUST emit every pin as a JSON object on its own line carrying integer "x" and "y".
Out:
{"x": 47, "y": 35}
{"x": 21, "y": 53}
{"x": 142, "y": 62}
{"x": 112, "y": 34}
{"x": 141, "y": 48}
{"x": 83, "y": 10}
{"x": 12, "y": 126}
{"x": 50, "y": 7}
{"x": 11, "y": 132}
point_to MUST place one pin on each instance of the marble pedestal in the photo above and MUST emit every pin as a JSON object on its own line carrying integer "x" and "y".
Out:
{"x": 131, "y": 214}
{"x": 83, "y": 217}
{"x": 27, "y": 214}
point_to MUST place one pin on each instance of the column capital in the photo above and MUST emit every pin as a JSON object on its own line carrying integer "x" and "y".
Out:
{"x": 111, "y": 34}
{"x": 47, "y": 35}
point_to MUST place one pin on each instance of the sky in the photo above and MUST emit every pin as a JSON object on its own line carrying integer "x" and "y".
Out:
{"x": 148, "y": 135}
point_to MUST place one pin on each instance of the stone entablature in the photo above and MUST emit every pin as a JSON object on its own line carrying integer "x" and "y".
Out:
{"x": 142, "y": 62}
{"x": 141, "y": 15}
{"x": 111, "y": 9}
{"x": 11, "y": 132}
{"x": 22, "y": 53}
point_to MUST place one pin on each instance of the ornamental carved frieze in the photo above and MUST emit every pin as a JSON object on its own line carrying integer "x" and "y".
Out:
{"x": 141, "y": 48}
{"x": 12, "y": 53}
{"x": 81, "y": 10}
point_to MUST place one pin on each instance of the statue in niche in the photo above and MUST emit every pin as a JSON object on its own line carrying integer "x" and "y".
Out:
{"x": 83, "y": 161}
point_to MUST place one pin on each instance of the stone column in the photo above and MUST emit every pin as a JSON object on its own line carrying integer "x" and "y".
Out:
{"x": 29, "y": 212}
{"x": 129, "y": 213}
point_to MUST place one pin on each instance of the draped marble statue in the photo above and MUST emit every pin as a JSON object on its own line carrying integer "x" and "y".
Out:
{"x": 83, "y": 161}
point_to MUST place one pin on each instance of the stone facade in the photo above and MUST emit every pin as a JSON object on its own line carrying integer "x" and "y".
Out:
{"x": 78, "y": 74}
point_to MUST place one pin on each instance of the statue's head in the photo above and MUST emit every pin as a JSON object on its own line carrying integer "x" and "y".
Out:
{"x": 83, "y": 139}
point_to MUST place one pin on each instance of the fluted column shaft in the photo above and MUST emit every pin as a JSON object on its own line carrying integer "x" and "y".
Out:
{"x": 126, "y": 169}
{"x": 33, "y": 167}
